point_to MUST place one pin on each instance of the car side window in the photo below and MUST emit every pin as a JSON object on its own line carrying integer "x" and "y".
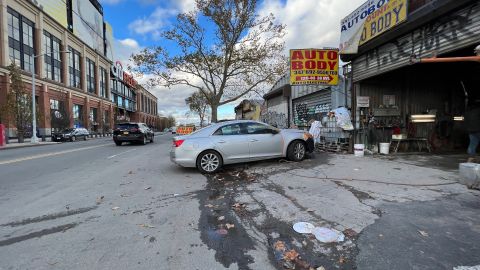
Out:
{"x": 257, "y": 128}
{"x": 233, "y": 129}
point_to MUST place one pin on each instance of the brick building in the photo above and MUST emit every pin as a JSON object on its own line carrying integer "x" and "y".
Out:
{"x": 69, "y": 46}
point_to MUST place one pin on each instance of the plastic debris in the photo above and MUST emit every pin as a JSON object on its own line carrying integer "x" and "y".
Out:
{"x": 147, "y": 188}
{"x": 220, "y": 218}
{"x": 115, "y": 208}
{"x": 423, "y": 233}
{"x": 327, "y": 235}
{"x": 209, "y": 205}
{"x": 229, "y": 226}
{"x": 146, "y": 226}
{"x": 303, "y": 227}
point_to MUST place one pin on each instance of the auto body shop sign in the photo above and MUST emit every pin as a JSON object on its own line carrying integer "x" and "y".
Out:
{"x": 372, "y": 19}
{"x": 314, "y": 66}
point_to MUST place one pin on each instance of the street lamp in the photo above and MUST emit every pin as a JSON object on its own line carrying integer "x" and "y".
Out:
{"x": 34, "y": 138}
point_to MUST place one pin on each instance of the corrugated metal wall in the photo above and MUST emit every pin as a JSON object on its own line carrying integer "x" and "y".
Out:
{"x": 451, "y": 32}
{"x": 312, "y": 106}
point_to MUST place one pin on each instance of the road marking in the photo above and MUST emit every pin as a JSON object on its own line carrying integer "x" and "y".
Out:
{"x": 121, "y": 153}
{"x": 51, "y": 154}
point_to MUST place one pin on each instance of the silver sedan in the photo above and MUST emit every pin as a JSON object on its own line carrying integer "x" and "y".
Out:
{"x": 237, "y": 141}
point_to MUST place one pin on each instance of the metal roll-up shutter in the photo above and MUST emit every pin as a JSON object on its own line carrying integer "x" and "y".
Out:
{"x": 449, "y": 33}
{"x": 312, "y": 106}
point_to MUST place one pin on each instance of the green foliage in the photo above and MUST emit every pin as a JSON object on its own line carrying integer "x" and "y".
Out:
{"x": 18, "y": 107}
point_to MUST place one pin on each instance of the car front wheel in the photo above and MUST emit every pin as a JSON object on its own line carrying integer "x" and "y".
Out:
{"x": 296, "y": 151}
{"x": 151, "y": 139}
{"x": 209, "y": 162}
{"x": 73, "y": 138}
{"x": 144, "y": 140}
{"x": 118, "y": 143}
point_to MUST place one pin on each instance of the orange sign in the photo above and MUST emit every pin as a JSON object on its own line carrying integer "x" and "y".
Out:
{"x": 185, "y": 130}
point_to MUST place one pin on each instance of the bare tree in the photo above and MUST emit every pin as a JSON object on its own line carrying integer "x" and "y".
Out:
{"x": 245, "y": 52}
{"x": 18, "y": 105}
{"x": 198, "y": 104}
{"x": 171, "y": 121}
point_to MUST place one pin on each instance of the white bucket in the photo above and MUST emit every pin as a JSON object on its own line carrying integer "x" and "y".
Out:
{"x": 359, "y": 150}
{"x": 384, "y": 148}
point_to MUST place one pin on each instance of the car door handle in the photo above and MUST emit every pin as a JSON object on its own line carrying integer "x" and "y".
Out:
{"x": 221, "y": 141}
{"x": 253, "y": 140}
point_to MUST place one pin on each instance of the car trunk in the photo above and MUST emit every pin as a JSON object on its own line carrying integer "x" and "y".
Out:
{"x": 125, "y": 129}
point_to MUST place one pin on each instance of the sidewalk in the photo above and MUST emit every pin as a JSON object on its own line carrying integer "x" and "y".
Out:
{"x": 13, "y": 143}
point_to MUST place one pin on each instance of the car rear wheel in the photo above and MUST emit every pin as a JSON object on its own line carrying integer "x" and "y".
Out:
{"x": 73, "y": 138}
{"x": 209, "y": 162}
{"x": 144, "y": 140}
{"x": 296, "y": 151}
{"x": 84, "y": 137}
{"x": 118, "y": 143}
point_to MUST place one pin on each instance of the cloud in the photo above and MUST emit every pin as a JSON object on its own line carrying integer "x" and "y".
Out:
{"x": 124, "y": 48}
{"x": 153, "y": 23}
{"x": 310, "y": 23}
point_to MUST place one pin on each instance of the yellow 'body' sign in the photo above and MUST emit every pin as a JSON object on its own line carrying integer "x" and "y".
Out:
{"x": 384, "y": 18}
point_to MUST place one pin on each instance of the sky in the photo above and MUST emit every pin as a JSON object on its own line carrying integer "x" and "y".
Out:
{"x": 138, "y": 23}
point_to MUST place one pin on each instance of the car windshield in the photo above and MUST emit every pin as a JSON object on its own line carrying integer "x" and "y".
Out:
{"x": 127, "y": 126}
{"x": 68, "y": 130}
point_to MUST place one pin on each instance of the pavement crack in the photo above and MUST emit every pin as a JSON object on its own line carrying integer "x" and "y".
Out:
{"x": 50, "y": 216}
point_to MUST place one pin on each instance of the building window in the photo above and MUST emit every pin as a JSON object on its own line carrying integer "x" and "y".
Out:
{"x": 119, "y": 101}
{"x": 77, "y": 115}
{"x": 74, "y": 71}
{"x": 90, "y": 72}
{"x": 53, "y": 62}
{"x": 20, "y": 40}
{"x": 54, "y": 104}
{"x": 103, "y": 82}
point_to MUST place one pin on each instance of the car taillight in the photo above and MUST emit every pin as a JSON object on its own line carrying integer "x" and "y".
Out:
{"x": 177, "y": 143}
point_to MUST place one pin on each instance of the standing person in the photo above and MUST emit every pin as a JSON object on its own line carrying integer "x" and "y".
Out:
{"x": 472, "y": 123}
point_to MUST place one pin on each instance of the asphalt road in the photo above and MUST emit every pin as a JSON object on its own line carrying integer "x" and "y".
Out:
{"x": 93, "y": 205}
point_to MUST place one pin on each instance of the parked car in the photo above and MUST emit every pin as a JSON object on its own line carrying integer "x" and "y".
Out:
{"x": 173, "y": 130}
{"x": 70, "y": 134}
{"x": 237, "y": 141}
{"x": 132, "y": 132}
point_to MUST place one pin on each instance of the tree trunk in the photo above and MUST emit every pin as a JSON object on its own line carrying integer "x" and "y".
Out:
{"x": 21, "y": 137}
{"x": 214, "y": 112}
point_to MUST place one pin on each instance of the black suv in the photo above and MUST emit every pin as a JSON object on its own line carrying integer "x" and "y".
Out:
{"x": 132, "y": 132}
{"x": 70, "y": 134}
